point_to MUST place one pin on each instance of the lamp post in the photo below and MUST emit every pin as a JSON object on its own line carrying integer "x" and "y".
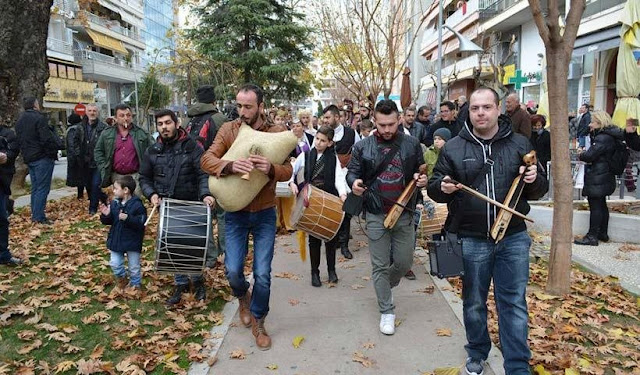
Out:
{"x": 466, "y": 45}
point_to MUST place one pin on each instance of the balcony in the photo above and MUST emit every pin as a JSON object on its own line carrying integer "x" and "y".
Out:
{"x": 61, "y": 46}
{"x": 114, "y": 26}
{"x": 491, "y": 8}
{"x": 598, "y": 6}
{"x": 99, "y": 67}
{"x": 465, "y": 64}
{"x": 111, "y": 28}
{"x": 455, "y": 21}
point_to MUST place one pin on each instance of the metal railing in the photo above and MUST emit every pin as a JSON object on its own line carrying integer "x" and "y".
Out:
{"x": 137, "y": 4}
{"x": 597, "y": 6}
{"x": 491, "y": 8}
{"x": 453, "y": 20}
{"x": 58, "y": 45}
{"x": 95, "y": 56}
{"x": 468, "y": 62}
{"x": 113, "y": 25}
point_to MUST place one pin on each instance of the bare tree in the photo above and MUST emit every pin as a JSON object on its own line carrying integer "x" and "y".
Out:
{"x": 490, "y": 54}
{"x": 363, "y": 41}
{"x": 558, "y": 42}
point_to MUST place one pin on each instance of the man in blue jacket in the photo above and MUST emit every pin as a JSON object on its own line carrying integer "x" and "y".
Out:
{"x": 39, "y": 146}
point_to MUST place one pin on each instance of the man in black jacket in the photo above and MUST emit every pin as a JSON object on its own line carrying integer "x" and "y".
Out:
{"x": 488, "y": 158}
{"x": 9, "y": 150}
{"x": 385, "y": 185}
{"x": 39, "y": 146}
{"x": 447, "y": 120}
{"x": 583, "y": 124}
{"x": 631, "y": 134}
{"x": 414, "y": 127}
{"x": 93, "y": 127}
{"x": 171, "y": 169}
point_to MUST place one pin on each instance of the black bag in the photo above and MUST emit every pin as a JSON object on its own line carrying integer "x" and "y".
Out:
{"x": 618, "y": 161}
{"x": 353, "y": 204}
{"x": 445, "y": 251}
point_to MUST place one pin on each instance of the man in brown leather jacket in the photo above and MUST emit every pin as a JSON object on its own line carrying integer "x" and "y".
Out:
{"x": 258, "y": 218}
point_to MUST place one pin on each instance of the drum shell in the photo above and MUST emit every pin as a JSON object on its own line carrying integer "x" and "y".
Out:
{"x": 317, "y": 213}
{"x": 433, "y": 224}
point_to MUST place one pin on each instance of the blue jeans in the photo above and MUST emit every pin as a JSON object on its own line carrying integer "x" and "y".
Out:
{"x": 180, "y": 279}
{"x": 117, "y": 265}
{"x": 40, "y": 172}
{"x": 508, "y": 264}
{"x": 238, "y": 226}
{"x": 5, "y": 255}
{"x": 93, "y": 189}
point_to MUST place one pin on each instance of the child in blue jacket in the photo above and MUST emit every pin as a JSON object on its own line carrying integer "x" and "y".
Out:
{"x": 126, "y": 214}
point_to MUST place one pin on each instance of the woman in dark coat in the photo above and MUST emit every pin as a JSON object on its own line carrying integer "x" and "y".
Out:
{"x": 75, "y": 154}
{"x": 599, "y": 181}
{"x": 541, "y": 139}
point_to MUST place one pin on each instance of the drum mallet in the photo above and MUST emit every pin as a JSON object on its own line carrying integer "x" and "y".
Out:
{"x": 153, "y": 211}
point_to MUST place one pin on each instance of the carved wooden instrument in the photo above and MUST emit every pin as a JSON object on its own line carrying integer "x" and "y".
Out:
{"x": 499, "y": 227}
{"x": 394, "y": 213}
{"x": 487, "y": 199}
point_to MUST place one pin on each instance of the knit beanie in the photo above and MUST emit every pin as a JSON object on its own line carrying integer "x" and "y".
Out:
{"x": 206, "y": 94}
{"x": 74, "y": 118}
{"x": 443, "y": 133}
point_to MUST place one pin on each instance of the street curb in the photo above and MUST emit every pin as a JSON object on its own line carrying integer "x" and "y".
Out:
{"x": 495, "y": 360}
{"x": 218, "y": 334}
{"x": 599, "y": 271}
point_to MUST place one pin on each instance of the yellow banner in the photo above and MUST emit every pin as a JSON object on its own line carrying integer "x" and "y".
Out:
{"x": 69, "y": 91}
{"x": 509, "y": 71}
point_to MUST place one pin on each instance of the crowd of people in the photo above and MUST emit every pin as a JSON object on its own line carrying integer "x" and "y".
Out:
{"x": 350, "y": 149}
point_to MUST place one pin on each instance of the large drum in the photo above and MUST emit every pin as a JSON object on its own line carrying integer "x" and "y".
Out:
{"x": 184, "y": 235}
{"x": 317, "y": 213}
{"x": 433, "y": 218}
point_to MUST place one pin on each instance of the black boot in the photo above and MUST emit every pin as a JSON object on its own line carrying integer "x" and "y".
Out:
{"x": 330, "y": 249}
{"x": 603, "y": 237}
{"x": 200, "y": 290}
{"x": 333, "y": 278}
{"x": 346, "y": 253}
{"x": 315, "y": 278}
{"x": 177, "y": 294}
{"x": 587, "y": 240}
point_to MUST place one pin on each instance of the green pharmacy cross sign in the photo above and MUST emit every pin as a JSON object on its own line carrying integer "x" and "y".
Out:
{"x": 518, "y": 79}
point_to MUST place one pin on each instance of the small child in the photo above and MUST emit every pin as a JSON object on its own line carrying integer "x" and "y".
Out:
{"x": 322, "y": 170}
{"x": 126, "y": 215}
{"x": 365, "y": 128}
{"x": 440, "y": 137}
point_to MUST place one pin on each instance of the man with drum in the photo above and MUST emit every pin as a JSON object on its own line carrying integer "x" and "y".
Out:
{"x": 381, "y": 166}
{"x": 171, "y": 169}
{"x": 257, "y": 218}
{"x": 344, "y": 138}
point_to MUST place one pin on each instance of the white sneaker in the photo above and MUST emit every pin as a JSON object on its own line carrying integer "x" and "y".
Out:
{"x": 388, "y": 324}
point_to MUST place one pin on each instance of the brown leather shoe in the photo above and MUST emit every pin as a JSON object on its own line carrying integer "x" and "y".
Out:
{"x": 245, "y": 313}
{"x": 263, "y": 341}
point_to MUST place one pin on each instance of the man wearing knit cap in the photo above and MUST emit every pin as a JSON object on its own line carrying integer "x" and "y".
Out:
{"x": 205, "y": 120}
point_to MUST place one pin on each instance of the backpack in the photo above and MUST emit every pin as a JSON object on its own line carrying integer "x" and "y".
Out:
{"x": 195, "y": 126}
{"x": 618, "y": 161}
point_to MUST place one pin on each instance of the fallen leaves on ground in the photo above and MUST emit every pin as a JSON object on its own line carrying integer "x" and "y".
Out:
{"x": 627, "y": 247}
{"x": 443, "y": 332}
{"x": 297, "y": 341}
{"x": 595, "y": 329}
{"x": 362, "y": 359}
{"x": 59, "y": 313}
{"x": 237, "y": 354}
{"x": 293, "y": 302}
{"x": 287, "y": 275}
{"x": 272, "y": 366}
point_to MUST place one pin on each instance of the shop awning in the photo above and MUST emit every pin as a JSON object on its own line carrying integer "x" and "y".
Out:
{"x": 596, "y": 42}
{"x": 107, "y": 42}
{"x": 128, "y": 18}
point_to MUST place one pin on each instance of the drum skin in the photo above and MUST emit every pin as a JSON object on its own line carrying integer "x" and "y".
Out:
{"x": 317, "y": 213}
{"x": 232, "y": 192}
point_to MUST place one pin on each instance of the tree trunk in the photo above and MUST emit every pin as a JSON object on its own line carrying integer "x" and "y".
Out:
{"x": 24, "y": 71}
{"x": 562, "y": 232}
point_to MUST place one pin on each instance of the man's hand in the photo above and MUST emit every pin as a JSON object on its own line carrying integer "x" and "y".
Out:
{"x": 242, "y": 166}
{"x": 531, "y": 174}
{"x": 448, "y": 187}
{"x": 343, "y": 197}
{"x": 104, "y": 209}
{"x": 260, "y": 163}
{"x": 123, "y": 216}
{"x": 358, "y": 187}
{"x": 156, "y": 200}
{"x": 421, "y": 180}
{"x": 209, "y": 201}
{"x": 3, "y": 157}
{"x": 294, "y": 188}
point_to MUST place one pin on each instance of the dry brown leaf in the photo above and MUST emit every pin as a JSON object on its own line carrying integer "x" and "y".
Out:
{"x": 237, "y": 354}
{"x": 629, "y": 247}
{"x": 64, "y": 366}
{"x": 287, "y": 275}
{"x": 443, "y": 332}
{"x": 58, "y": 336}
{"x": 28, "y": 348}
{"x": 88, "y": 367}
{"x": 357, "y": 286}
{"x": 27, "y": 335}
{"x": 97, "y": 352}
{"x": 293, "y": 302}
{"x": 368, "y": 345}
{"x": 362, "y": 359}
{"x": 427, "y": 290}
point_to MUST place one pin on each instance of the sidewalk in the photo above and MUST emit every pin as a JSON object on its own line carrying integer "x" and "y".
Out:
{"x": 341, "y": 323}
{"x": 56, "y": 194}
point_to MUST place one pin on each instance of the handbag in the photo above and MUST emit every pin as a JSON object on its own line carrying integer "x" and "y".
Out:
{"x": 445, "y": 250}
{"x": 353, "y": 204}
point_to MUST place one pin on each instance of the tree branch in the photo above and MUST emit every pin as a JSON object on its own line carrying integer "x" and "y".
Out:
{"x": 538, "y": 18}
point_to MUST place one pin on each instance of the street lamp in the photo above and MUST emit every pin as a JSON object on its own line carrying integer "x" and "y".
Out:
{"x": 466, "y": 45}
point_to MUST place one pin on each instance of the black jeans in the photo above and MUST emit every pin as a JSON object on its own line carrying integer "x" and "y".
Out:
{"x": 344, "y": 232}
{"x": 314, "y": 253}
{"x": 599, "y": 218}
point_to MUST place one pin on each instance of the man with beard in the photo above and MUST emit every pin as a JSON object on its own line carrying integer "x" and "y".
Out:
{"x": 416, "y": 129}
{"x": 447, "y": 120}
{"x": 344, "y": 138}
{"x": 93, "y": 127}
{"x": 171, "y": 169}
{"x": 365, "y": 111}
{"x": 257, "y": 218}
{"x": 381, "y": 167}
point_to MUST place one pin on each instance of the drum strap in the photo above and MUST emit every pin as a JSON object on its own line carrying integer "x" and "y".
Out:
{"x": 180, "y": 159}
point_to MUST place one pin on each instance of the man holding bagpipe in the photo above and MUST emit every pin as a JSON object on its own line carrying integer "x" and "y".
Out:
{"x": 488, "y": 156}
{"x": 384, "y": 170}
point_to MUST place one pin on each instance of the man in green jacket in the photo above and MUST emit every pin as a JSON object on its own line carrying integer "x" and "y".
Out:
{"x": 119, "y": 149}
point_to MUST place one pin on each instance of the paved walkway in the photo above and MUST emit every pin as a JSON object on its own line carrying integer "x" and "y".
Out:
{"x": 341, "y": 323}
{"x": 56, "y": 194}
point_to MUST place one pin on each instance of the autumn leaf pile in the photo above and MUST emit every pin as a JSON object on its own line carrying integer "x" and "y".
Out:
{"x": 59, "y": 312}
{"x": 593, "y": 330}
